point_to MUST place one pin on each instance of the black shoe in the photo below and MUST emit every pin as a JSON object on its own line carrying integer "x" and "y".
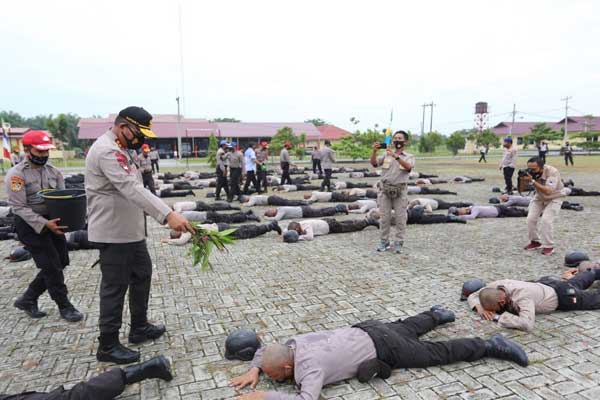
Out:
{"x": 372, "y": 368}
{"x": 500, "y": 347}
{"x": 341, "y": 208}
{"x": 148, "y": 332}
{"x": 454, "y": 219}
{"x": 117, "y": 353}
{"x": 577, "y": 207}
{"x": 274, "y": 226}
{"x": 217, "y": 198}
{"x": 252, "y": 217}
{"x": 157, "y": 367}
{"x": 30, "y": 308}
{"x": 442, "y": 315}
{"x": 372, "y": 222}
{"x": 71, "y": 314}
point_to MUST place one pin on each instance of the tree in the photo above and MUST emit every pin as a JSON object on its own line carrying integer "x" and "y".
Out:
{"x": 13, "y": 118}
{"x": 64, "y": 128}
{"x": 316, "y": 121}
{"x": 456, "y": 142}
{"x": 541, "y": 132}
{"x": 213, "y": 146}
{"x": 226, "y": 119}
{"x": 429, "y": 142}
{"x": 284, "y": 134}
{"x": 487, "y": 138}
{"x": 351, "y": 147}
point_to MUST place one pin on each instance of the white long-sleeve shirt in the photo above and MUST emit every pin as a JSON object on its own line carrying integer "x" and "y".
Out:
{"x": 365, "y": 206}
{"x": 312, "y": 228}
{"x": 322, "y": 197}
{"x": 182, "y": 206}
{"x": 257, "y": 200}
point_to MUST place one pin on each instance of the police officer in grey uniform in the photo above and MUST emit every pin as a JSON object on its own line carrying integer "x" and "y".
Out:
{"x": 222, "y": 170}
{"x": 395, "y": 169}
{"x": 236, "y": 162}
{"x": 327, "y": 160}
{"x": 44, "y": 238}
{"x": 145, "y": 163}
{"x": 117, "y": 201}
{"x": 284, "y": 161}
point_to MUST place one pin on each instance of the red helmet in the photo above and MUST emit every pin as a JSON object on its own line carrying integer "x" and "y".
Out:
{"x": 38, "y": 139}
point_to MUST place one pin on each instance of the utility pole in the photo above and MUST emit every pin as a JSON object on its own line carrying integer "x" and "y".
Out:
{"x": 514, "y": 113}
{"x": 178, "y": 129}
{"x": 182, "y": 83}
{"x": 423, "y": 121}
{"x": 431, "y": 117}
{"x": 566, "y": 135}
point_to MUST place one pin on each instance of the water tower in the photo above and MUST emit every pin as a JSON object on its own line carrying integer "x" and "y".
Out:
{"x": 481, "y": 116}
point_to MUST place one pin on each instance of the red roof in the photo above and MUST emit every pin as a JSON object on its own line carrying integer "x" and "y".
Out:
{"x": 332, "y": 132}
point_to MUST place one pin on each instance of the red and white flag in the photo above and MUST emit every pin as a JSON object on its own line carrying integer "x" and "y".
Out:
{"x": 5, "y": 140}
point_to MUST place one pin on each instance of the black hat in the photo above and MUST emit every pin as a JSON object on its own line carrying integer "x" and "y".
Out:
{"x": 471, "y": 286}
{"x": 494, "y": 200}
{"x": 291, "y": 236}
{"x": 241, "y": 345}
{"x": 574, "y": 258}
{"x": 140, "y": 118}
{"x": 19, "y": 254}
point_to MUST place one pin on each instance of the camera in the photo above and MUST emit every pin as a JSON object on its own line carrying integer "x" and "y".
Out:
{"x": 523, "y": 172}
{"x": 383, "y": 145}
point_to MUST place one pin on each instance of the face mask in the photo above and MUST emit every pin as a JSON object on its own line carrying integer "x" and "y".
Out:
{"x": 399, "y": 144}
{"x": 135, "y": 143}
{"x": 145, "y": 155}
{"x": 38, "y": 160}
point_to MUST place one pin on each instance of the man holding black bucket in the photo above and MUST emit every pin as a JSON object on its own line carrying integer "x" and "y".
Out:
{"x": 117, "y": 201}
{"x": 44, "y": 238}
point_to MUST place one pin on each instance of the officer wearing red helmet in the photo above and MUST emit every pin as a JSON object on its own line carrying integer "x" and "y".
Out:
{"x": 145, "y": 164}
{"x": 44, "y": 238}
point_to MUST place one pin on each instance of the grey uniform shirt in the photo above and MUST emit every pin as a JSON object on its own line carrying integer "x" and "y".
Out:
{"x": 236, "y": 159}
{"x": 518, "y": 201}
{"x": 145, "y": 164}
{"x": 288, "y": 212}
{"x": 480, "y": 212}
{"x": 221, "y": 159}
{"x": 195, "y": 216}
{"x": 284, "y": 156}
{"x": 23, "y": 182}
{"x": 321, "y": 358}
{"x": 327, "y": 157}
{"x": 391, "y": 170}
{"x": 154, "y": 155}
{"x": 509, "y": 159}
{"x": 16, "y": 158}
{"x": 316, "y": 155}
{"x": 116, "y": 198}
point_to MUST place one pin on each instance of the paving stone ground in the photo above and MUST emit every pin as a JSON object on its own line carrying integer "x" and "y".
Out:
{"x": 281, "y": 290}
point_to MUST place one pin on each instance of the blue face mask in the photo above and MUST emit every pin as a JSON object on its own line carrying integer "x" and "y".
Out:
{"x": 37, "y": 160}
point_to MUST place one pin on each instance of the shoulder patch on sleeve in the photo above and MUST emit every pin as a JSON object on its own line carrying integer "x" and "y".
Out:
{"x": 122, "y": 160}
{"x": 16, "y": 183}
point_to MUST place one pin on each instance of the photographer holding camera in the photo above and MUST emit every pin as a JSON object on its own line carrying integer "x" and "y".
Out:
{"x": 395, "y": 168}
{"x": 545, "y": 205}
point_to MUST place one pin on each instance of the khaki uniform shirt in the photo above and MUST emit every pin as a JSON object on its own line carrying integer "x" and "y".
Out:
{"x": 527, "y": 299}
{"x": 23, "y": 182}
{"x": 145, "y": 164}
{"x": 327, "y": 157}
{"x": 509, "y": 158}
{"x": 116, "y": 198}
{"x": 221, "y": 159}
{"x": 284, "y": 156}
{"x": 551, "y": 178}
{"x": 236, "y": 159}
{"x": 392, "y": 172}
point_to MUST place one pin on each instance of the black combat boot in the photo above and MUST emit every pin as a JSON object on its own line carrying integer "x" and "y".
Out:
{"x": 274, "y": 226}
{"x": 251, "y": 216}
{"x": 111, "y": 350}
{"x": 499, "y": 347}
{"x": 146, "y": 332}
{"x": 157, "y": 367}
{"x": 30, "y": 307}
{"x": 341, "y": 208}
{"x": 372, "y": 368}
{"x": 442, "y": 315}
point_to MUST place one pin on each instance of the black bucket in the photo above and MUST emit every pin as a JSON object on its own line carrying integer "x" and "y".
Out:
{"x": 69, "y": 205}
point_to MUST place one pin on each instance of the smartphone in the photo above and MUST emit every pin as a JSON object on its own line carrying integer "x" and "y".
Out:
{"x": 383, "y": 145}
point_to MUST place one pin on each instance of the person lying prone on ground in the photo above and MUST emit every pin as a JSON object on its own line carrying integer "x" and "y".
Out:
{"x": 435, "y": 204}
{"x": 181, "y": 206}
{"x": 212, "y": 217}
{"x": 247, "y": 231}
{"x": 499, "y": 211}
{"x": 309, "y": 228}
{"x": 304, "y": 212}
{"x": 263, "y": 200}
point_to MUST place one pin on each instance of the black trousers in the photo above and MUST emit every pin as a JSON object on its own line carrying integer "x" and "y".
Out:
{"x": 362, "y": 185}
{"x": 567, "y": 205}
{"x": 310, "y": 212}
{"x": 202, "y": 206}
{"x": 285, "y": 173}
{"x": 251, "y": 177}
{"x": 175, "y": 193}
{"x": 582, "y": 192}
{"x": 508, "y": 174}
{"x": 542, "y": 155}
{"x": 417, "y": 216}
{"x": 263, "y": 184}
{"x": 51, "y": 256}
{"x": 326, "y": 180}
{"x": 444, "y": 205}
{"x": 221, "y": 183}
{"x": 511, "y": 212}
{"x": 248, "y": 231}
{"x": 155, "y": 165}
{"x": 316, "y": 165}
{"x": 338, "y": 197}
{"x": 572, "y": 294}
{"x": 235, "y": 218}
{"x": 482, "y": 158}
{"x": 235, "y": 177}
{"x": 349, "y": 225}
{"x": 280, "y": 201}
{"x": 124, "y": 266}
{"x": 426, "y": 190}
{"x": 105, "y": 386}
{"x": 307, "y": 187}
{"x": 398, "y": 345}
{"x": 148, "y": 181}
{"x": 568, "y": 157}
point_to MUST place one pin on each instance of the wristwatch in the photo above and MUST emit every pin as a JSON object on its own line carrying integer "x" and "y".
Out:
{"x": 496, "y": 318}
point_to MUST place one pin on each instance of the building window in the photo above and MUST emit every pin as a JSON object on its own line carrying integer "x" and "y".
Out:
{"x": 519, "y": 140}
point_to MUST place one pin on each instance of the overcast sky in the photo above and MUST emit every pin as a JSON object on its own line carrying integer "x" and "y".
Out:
{"x": 284, "y": 61}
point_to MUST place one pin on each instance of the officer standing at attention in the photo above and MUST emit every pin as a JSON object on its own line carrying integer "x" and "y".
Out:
{"x": 154, "y": 158}
{"x": 236, "y": 162}
{"x": 116, "y": 202}
{"x": 284, "y": 161}
{"x": 221, "y": 170}
{"x": 395, "y": 168}
{"x": 146, "y": 169}
{"x": 327, "y": 159}
{"x": 44, "y": 238}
